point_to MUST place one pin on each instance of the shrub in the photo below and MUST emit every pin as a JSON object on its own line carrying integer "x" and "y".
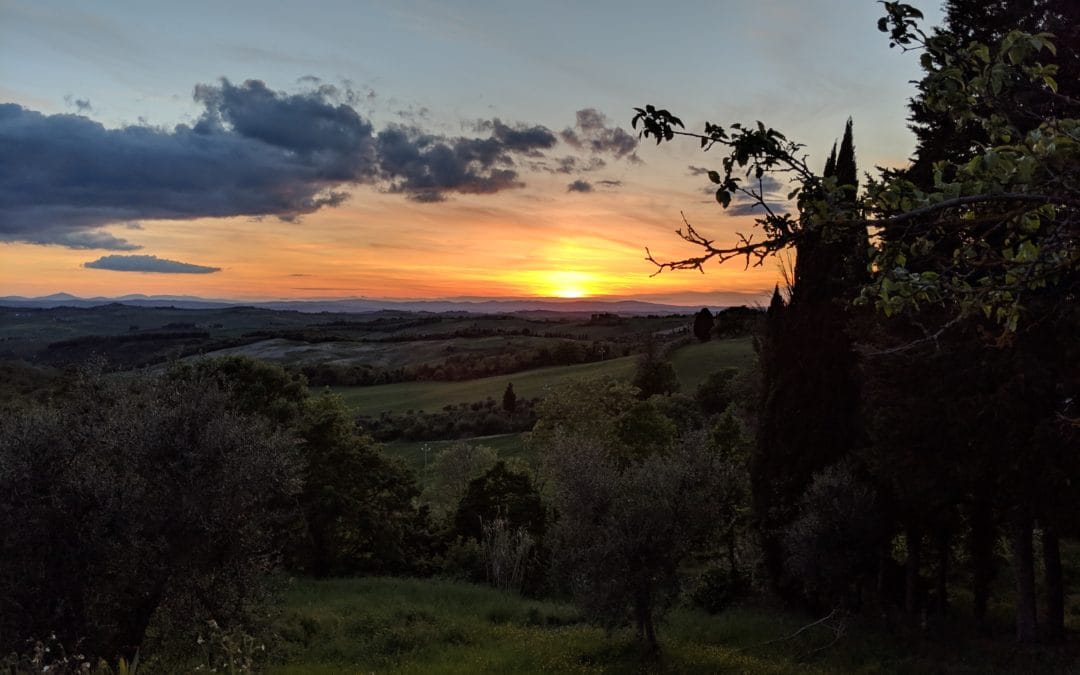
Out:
{"x": 831, "y": 545}
{"x": 717, "y": 588}
{"x": 134, "y": 498}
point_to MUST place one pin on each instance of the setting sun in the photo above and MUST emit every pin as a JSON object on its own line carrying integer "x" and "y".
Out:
{"x": 568, "y": 284}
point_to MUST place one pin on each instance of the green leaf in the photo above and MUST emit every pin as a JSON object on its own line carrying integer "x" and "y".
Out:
{"x": 714, "y": 176}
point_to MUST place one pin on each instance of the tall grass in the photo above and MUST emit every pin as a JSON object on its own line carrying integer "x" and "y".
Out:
{"x": 432, "y": 626}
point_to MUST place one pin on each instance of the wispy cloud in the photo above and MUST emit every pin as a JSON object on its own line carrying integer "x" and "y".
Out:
{"x": 591, "y": 132}
{"x": 147, "y": 263}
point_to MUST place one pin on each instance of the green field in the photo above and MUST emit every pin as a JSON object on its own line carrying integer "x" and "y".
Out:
{"x": 414, "y": 626}
{"x": 420, "y": 454}
{"x": 433, "y": 396}
{"x": 432, "y": 626}
{"x": 692, "y": 363}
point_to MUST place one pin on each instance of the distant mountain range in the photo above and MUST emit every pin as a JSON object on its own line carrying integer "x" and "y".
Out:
{"x": 364, "y": 305}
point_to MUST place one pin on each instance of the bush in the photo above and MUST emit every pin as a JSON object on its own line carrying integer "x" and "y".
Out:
{"x": 132, "y": 499}
{"x": 358, "y": 503}
{"x": 831, "y": 545}
{"x": 500, "y": 493}
{"x": 625, "y": 526}
{"x": 453, "y": 469}
{"x": 715, "y": 394}
{"x": 718, "y": 588}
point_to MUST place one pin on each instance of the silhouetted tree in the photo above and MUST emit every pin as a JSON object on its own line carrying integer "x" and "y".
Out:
{"x": 509, "y": 400}
{"x": 501, "y": 493}
{"x": 703, "y": 325}
{"x": 134, "y": 498}
{"x": 809, "y": 417}
{"x": 654, "y": 374}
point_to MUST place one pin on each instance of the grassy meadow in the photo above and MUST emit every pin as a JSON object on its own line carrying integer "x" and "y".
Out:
{"x": 694, "y": 362}
{"x": 381, "y": 625}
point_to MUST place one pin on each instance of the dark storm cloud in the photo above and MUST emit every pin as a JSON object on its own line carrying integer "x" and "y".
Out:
{"x": 592, "y": 133}
{"x": 610, "y": 183}
{"x": 253, "y": 152}
{"x": 333, "y": 139}
{"x": 77, "y": 239}
{"x": 579, "y": 186}
{"x": 425, "y": 166}
{"x": 147, "y": 263}
{"x": 256, "y": 152}
{"x": 522, "y": 138}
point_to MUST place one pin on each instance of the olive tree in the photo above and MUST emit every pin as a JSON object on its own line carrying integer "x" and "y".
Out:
{"x": 624, "y": 527}
{"x": 127, "y": 501}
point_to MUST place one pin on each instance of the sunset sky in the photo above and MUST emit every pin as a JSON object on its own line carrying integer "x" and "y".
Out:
{"x": 405, "y": 149}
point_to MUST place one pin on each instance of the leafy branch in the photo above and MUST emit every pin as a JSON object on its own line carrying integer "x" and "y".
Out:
{"x": 989, "y": 231}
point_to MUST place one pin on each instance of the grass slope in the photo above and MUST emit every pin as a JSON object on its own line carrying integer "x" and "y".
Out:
{"x": 434, "y": 626}
{"x": 416, "y": 626}
{"x": 432, "y": 396}
{"x": 692, "y": 363}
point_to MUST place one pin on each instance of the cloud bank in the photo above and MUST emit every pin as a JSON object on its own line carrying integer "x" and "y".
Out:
{"x": 147, "y": 263}
{"x": 255, "y": 152}
{"x": 425, "y": 167}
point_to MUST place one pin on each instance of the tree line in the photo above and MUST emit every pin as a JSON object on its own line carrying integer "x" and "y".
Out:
{"x": 917, "y": 409}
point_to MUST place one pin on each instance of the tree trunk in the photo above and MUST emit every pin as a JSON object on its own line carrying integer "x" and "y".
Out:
{"x": 913, "y": 537}
{"x": 732, "y": 565}
{"x": 650, "y": 630}
{"x": 1024, "y": 563}
{"x": 643, "y": 615}
{"x": 982, "y": 561}
{"x": 1054, "y": 630}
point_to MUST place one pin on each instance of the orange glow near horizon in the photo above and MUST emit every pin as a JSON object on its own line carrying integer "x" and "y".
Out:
{"x": 566, "y": 284}
{"x": 379, "y": 247}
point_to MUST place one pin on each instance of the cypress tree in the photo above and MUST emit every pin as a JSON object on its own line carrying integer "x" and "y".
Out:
{"x": 810, "y": 409}
{"x": 509, "y": 401}
{"x": 703, "y": 325}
